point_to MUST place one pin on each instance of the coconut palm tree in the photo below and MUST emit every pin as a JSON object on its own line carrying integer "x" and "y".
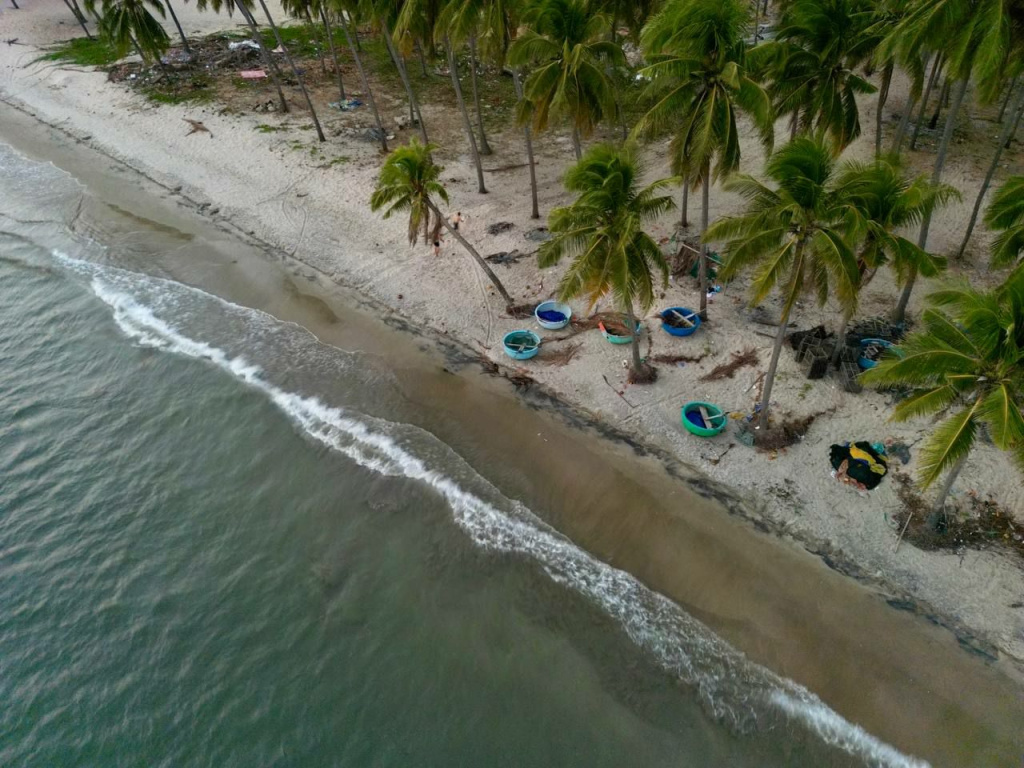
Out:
{"x": 883, "y": 201}
{"x": 1005, "y": 215}
{"x": 339, "y": 7}
{"x": 699, "y": 85}
{"x": 566, "y": 44}
{"x": 793, "y": 235}
{"x": 129, "y": 24}
{"x": 976, "y": 38}
{"x": 966, "y": 364}
{"x": 79, "y": 16}
{"x": 409, "y": 181}
{"x": 809, "y": 66}
{"x": 602, "y": 232}
{"x": 384, "y": 14}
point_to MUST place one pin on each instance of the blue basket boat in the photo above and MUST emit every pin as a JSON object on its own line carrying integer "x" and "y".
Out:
{"x": 870, "y": 349}
{"x": 674, "y": 321}
{"x": 521, "y": 345}
{"x": 553, "y": 315}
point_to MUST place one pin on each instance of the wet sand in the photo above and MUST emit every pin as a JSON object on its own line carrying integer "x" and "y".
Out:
{"x": 904, "y": 680}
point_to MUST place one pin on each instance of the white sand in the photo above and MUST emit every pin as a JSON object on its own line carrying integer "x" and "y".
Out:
{"x": 321, "y": 216}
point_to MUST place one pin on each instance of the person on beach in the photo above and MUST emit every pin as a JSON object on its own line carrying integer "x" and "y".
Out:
{"x": 455, "y": 219}
{"x": 437, "y": 246}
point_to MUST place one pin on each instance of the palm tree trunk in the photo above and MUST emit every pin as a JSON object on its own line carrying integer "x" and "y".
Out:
{"x": 453, "y": 69}
{"x": 939, "y": 507}
{"x": 1013, "y": 131}
{"x": 840, "y": 338}
{"x": 527, "y": 134}
{"x": 883, "y": 96}
{"x": 780, "y": 336}
{"x": 295, "y": 70}
{"x": 908, "y": 110}
{"x": 576, "y": 143}
{"x": 943, "y": 97}
{"x": 268, "y": 61}
{"x": 684, "y": 205}
{"x": 366, "y": 83}
{"x": 475, "y": 254}
{"x": 78, "y": 17}
{"x": 181, "y": 32}
{"x": 334, "y": 51}
{"x": 936, "y": 70}
{"x": 485, "y": 148}
{"x": 318, "y": 45}
{"x": 900, "y": 313}
{"x": 702, "y": 276}
{"x": 423, "y": 60}
{"x": 1006, "y": 101}
{"x": 634, "y": 343}
{"x": 1008, "y": 129}
{"x": 414, "y": 105}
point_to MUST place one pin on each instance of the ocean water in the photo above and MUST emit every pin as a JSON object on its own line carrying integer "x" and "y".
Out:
{"x": 225, "y": 543}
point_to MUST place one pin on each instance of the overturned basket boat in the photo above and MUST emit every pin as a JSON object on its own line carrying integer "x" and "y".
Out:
{"x": 521, "y": 345}
{"x": 679, "y": 321}
{"x": 704, "y": 419}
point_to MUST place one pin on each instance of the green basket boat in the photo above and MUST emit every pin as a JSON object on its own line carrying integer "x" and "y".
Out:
{"x": 704, "y": 419}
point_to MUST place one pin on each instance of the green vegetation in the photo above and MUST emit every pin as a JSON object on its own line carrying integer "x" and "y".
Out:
{"x": 197, "y": 89}
{"x": 84, "y": 51}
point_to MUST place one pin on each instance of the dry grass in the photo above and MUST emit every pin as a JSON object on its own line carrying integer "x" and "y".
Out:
{"x": 727, "y": 370}
{"x": 560, "y": 357}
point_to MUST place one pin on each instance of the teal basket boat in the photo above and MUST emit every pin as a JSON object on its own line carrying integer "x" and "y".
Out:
{"x": 521, "y": 345}
{"x": 614, "y": 338}
{"x": 704, "y": 419}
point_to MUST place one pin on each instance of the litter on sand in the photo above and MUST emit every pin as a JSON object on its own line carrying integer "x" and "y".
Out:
{"x": 860, "y": 464}
{"x": 252, "y": 74}
{"x": 346, "y": 105}
{"x": 251, "y": 44}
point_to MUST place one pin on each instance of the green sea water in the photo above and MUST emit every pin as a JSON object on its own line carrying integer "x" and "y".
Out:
{"x": 223, "y": 543}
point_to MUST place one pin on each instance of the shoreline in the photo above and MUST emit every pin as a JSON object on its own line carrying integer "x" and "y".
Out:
{"x": 646, "y": 435}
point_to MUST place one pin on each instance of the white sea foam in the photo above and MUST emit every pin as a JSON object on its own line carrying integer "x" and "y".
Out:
{"x": 733, "y": 689}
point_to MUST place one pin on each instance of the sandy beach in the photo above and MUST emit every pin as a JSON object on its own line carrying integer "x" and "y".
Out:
{"x": 313, "y": 206}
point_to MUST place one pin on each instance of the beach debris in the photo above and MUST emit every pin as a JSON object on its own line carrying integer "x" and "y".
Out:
{"x": 562, "y": 356}
{"x": 504, "y": 257}
{"x": 538, "y": 234}
{"x": 618, "y": 392}
{"x": 345, "y": 105}
{"x": 860, "y": 464}
{"x": 899, "y": 450}
{"x": 244, "y": 44}
{"x": 252, "y": 74}
{"x": 786, "y": 432}
{"x": 713, "y": 458}
{"x": 265, "y": 106}
{"x": 197, "y": 127}
{"x": 498, "y": 227}
{"x": 742, "y": 359}
{"x": 677, "y": 360}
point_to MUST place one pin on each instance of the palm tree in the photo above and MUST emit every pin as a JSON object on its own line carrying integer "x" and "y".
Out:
{"x": 408, "y": 181}
{"x": 602, "y": 232}
{"x": 129, "y": 24}
{"x": 385, "y": 13}
{"x": 342, "y": 15}
{"x": 976, "y": 38}
{"x": 567, "y": 44}
{"x": 883, "y": 201}
{"x": 1005, "y": 214}
{"x": 793, "y": 235}
{"x": 79, "y": 16}
{"x": 810, "y": 65}
{"x": 700, "y": 84}
{"x": 969, "y": 364}
{"x": 177, "y": 24}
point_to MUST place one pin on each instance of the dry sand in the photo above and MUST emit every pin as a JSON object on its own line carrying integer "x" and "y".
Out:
{"x": 319, "y": 214}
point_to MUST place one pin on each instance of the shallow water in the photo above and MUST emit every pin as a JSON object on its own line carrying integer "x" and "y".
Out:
{"x": 228, "y": 543}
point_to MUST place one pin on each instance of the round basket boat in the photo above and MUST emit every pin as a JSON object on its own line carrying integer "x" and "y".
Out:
{"x": 614, "y": 338}
{"x": 704, "y": 419}
{"x": 869, "y": 356}
{"x": 553, "y": 315}
{"x": 521, "y": 345}
{"x": 674, "y": 321}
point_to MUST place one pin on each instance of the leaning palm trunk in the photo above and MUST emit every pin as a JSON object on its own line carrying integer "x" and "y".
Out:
{"x": 527, "y": 135}
{"x": 453, "y": 69}
{"x": 685, "y": 204}
{"x": 702, "y": 277}
{"x": 1009, "y": 95}
{"x": 900, "y": 313}
{"x": 295, "y": 70}
{"x": 939, "y": 507}
{"x": 366, "y": 83}
{"x": 334, "y": 51}
{"x": 576, "y": 145}
{"x": 485, "y": 148}
{"x": 474, "y": 253}
{"x": 181, "y": 32}
{"x": 268, "y": 61}
{"x": 1004, "y": 139}
{"x": 634, "y": 344}
{"x": 780, "y": 336}
{"x": 414, "y": 105}
{"x": 883, "y": 96}
{"x": 932, "y": 80}
{"x": 79, "y": 16}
